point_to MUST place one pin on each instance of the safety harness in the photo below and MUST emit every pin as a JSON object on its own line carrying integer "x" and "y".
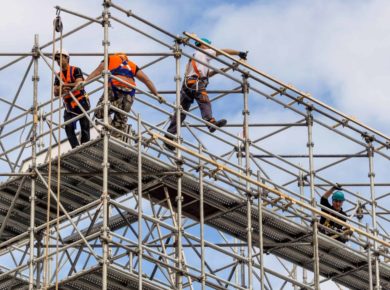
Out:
{"x": 194, "y": 79}
{"x": 121, "y": 67}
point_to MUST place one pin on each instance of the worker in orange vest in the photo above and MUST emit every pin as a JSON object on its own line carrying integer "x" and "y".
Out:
{"x": 196, "y": 79}
{"x": 71, "y": 77}
{"x": 121, "y": 95}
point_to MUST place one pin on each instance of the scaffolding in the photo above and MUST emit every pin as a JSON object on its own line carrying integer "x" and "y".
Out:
{"x": 236, "y": 209}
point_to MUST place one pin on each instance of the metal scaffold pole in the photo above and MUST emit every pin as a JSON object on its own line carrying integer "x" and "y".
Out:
{"x": 140, "y": 248}
{"x": 245, "y": 90}
{"x": 310, "y": 145}
{"x": 302, "y": 193}
{"x": 261, "y": 237}
{"x": 179, "y": 197}
{"x": 201, "y": 220}
{"x": 136, "y": 214}
{"x": 35, "y": 80}
{"x": 105, "y": 197}
{"x": 369, "y": 261}
{"x": 371, "y": 175}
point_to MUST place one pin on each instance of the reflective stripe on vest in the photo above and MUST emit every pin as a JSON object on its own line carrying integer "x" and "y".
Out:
{"x": 122, "y": 68}
{"x": 79, "y": 94}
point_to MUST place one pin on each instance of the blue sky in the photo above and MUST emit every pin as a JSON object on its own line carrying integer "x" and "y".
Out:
{"x": 336, "y": 50}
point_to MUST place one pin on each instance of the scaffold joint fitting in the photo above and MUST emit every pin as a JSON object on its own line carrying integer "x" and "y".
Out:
{"x": 368, "y": 138}
{"x": 177, "y": 53}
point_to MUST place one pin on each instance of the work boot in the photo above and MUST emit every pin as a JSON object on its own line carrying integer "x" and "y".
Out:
{"x": 169, "y": 146}
{"x": 219, "y": 124}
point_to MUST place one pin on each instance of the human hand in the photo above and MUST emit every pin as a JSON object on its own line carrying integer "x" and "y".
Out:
{"x": 337, "y": 186}
{"x": 80, "y": 85}
{"x": 160, "y": 99}
{"x": 243, "y": 55}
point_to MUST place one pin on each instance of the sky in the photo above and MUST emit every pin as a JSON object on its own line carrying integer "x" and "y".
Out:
{"x": 337, "y": 50}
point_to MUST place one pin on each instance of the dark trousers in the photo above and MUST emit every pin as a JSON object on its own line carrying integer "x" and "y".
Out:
{"x": 70, "y": 129}
{"x": 193, "y": 90}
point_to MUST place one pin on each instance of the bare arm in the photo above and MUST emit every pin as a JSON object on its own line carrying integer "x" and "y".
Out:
{"x": 328, "y": 193}
{"x": 229, "y": 51}
{"x": 96, "y": 72}
{"x": 67, "y": 87}
{"x": 145, "y": 79}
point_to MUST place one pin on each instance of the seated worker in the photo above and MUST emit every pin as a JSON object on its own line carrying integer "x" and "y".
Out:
{"x": 121, "y": 95}
{"x": 71, "y": 76}
{"x": 337, "y": 202}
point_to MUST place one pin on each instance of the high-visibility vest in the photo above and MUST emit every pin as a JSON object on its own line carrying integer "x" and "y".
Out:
{"x": 79, "y": 94}
{"x": 121, "y": 67}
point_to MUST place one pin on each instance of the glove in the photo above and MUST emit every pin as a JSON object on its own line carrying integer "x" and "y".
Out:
{"x": 161, "y": 99}
{"x": 243, "y": 55}
{"x": 337, "y": 186}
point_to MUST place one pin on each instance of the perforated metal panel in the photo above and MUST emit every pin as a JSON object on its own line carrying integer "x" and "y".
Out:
{"x": 347, "y": 266}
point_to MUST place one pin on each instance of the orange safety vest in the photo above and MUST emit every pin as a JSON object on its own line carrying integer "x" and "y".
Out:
{"x": 121, "y": 67}
{"x": 79, "y": 94}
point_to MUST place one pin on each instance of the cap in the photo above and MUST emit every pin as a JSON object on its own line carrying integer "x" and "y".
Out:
{"x": 197, "y": 43}
{"x": 338, "y": 195}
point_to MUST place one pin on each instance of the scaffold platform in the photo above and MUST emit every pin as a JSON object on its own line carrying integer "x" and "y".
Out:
{"x": 224, "y": 211}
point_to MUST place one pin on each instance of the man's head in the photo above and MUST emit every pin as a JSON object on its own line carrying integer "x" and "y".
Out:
{"x": 201, "y": 45}
{"x": 337, "y": 200}
{"x": 62, "y": 58}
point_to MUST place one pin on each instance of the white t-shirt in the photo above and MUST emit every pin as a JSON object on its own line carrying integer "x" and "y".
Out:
{"x": 203, "y": 70}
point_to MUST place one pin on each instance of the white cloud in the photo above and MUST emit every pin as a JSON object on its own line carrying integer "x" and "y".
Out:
{"x": 337, "y": 50}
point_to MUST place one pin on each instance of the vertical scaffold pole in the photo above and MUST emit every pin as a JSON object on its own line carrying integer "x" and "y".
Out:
{"x": 369, "y": 260}
{"x": 238, "y": 249}
{"x": 302, "y": 193}
{"x": 261, "y": 242}
{"x": 179, "y": 197}
{"x": 140, "y": 248}
{"x": 245, "y": 90}
{"x": 371, "y": 175}
{"x": 310, "y": 145}
{"x": 105, "y": 165}
{"x": 35, "y": 80}
{"x": 201, "y": 218}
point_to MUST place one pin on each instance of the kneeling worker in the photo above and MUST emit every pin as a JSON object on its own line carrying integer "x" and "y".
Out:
{"x": 71, "y": 76}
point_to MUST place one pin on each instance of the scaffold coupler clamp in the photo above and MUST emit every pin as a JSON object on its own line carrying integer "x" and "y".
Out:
{"x": 368, "y": 138}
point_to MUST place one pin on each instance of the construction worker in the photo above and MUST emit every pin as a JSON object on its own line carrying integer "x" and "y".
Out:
{"x": 71, "y": 77}
{"x": 121, "y": 95}
{"x": 337, "y": 203}
{"x": 196, "y": 79}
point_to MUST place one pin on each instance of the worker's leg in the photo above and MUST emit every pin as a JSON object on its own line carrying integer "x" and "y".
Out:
{"x": 124, "y": 102}
{"x": 99, "y": 112}
{"x": 70, "y": 129}
{"x": 186, "y": 99}
{"x": 204, "y": 103}
{"x": 84, "y": 123}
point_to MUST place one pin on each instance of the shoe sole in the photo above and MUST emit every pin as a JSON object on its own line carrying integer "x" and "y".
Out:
{"x": 219, "y": 125}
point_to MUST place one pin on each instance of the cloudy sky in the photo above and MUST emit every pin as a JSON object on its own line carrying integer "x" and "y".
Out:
{"x": 337, "y": 50}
